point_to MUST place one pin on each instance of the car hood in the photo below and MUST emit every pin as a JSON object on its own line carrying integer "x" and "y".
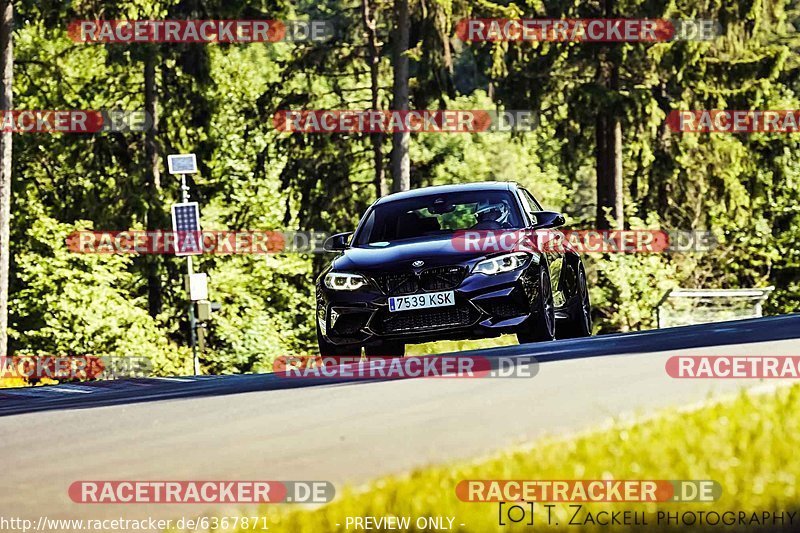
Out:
{"x": 401, "y": 254}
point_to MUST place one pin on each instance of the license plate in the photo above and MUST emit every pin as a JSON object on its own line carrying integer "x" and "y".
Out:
{"x": 421, "y": 301}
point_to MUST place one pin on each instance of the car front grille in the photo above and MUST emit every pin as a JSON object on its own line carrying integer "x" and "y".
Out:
{"x": 398, "y": 284}
{"x": 426, "y": 319}
{"x": 431, "y": 279}
{"x": 442, "y": 278}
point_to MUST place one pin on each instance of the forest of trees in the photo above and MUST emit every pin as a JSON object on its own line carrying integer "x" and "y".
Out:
{"x": 602, "y": 154}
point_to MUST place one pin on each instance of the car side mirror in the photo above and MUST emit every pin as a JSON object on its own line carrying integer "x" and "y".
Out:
{"x": 548, "y": 219}
{"x": 337, "y": 242}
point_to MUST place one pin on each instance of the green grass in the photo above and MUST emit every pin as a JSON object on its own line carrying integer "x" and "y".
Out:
{"x": 750, "y": 445}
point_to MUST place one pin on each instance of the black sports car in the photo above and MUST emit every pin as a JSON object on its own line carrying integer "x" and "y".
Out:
{"x": 409, "y": 275}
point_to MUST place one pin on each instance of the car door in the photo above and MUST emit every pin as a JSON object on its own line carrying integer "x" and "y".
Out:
{"x": 554, "y": 254}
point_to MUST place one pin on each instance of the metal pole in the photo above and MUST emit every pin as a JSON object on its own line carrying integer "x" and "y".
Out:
{"x": 192, "y": 323}
{"x": 189, "y": 272}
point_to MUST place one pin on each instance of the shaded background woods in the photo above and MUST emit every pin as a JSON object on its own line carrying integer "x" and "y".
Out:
{"x": 602, "y": 154}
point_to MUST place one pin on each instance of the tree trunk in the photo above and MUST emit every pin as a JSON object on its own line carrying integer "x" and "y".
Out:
{"x": 615, "y": 159}
{"x": 153, "y": 180}
{"x": 401, "y": 162}
{"x": 6, "y": 104}
{"x": 373, "y": 59}
{"x": 601, "y": 167}
{"x": 608, "y": 134}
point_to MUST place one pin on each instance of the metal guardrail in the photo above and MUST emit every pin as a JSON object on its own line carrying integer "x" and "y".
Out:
{"x": 710, "y": 305}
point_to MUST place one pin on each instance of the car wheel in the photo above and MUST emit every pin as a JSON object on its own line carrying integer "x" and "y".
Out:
{"x": 327, "y": 349}
{"x": 386, "y": 349}
{"x": 580, "y": 320}
{"x": 541, "y": 325}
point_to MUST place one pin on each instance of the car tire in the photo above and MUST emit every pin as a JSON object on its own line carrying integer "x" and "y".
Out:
{"x": 541, "y": 325}
{"x": 386, "y": 349}
{"x": 328, "y": 349}
{"x": 579, "y": 323}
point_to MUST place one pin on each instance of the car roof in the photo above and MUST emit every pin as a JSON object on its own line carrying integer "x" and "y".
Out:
{"x": 446, "y": 189}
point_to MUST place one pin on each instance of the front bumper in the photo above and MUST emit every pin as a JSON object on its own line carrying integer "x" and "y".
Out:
{"x": 485, "y": 306}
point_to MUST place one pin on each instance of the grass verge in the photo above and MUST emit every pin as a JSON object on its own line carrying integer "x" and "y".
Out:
{"x": 750, "y": 445}
{"x": 439, "y": 347}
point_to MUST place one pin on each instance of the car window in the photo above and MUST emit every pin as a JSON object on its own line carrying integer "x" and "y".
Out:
{"x": 534, "y": 203}
{"x": 369, "y": 222}
{"x": 528, "y": 205}
{"x": 442, "y": 214}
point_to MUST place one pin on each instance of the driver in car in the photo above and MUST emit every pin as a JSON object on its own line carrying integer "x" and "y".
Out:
{"x": 492, "y": 216}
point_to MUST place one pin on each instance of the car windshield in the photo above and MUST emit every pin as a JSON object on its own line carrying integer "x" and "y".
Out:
{"x": 439, "y": 214}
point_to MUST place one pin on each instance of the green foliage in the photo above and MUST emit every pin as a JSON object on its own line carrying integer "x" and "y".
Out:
{"x": 439, "y": 158}
{"x": 266, "y": 305}
{"x": 218, "y": 101}
{"x": 625, "y": 288}
{"x": 80, "y": 304}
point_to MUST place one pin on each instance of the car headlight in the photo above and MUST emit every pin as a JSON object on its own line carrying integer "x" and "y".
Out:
{"x": 502, "y": 263}
{"x": 341, "y": 281}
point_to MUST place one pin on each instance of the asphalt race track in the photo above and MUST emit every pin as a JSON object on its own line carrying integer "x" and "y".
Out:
{"x": 268, "y": 427}
{"x": 103, "y": 393}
